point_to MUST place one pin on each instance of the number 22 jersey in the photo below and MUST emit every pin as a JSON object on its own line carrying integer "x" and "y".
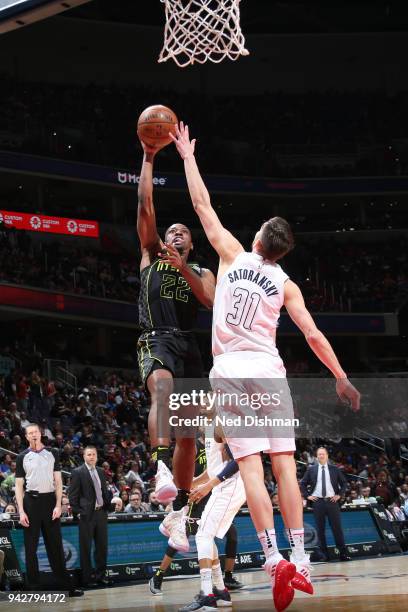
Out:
{"x": 248, "y": 300}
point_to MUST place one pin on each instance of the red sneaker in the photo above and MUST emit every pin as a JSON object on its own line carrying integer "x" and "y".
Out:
{"x": 301, "y": 580}
{"x": 281, "y": 573}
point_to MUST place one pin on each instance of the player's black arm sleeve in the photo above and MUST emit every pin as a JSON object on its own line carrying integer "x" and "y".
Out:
{"x": 230, "y": 469}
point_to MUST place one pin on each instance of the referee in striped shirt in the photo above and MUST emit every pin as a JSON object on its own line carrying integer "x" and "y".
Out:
{"x": 40, "y": 509}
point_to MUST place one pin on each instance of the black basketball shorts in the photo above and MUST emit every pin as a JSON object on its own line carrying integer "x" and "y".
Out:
{"x": 173, "y": 350}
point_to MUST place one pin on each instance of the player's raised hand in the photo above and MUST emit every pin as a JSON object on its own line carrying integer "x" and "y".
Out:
{"x": 171, "y": 256}
{"x": 348, "y": 393}
{"x": 150, "y": 149}
{"x": 184, "y": 145}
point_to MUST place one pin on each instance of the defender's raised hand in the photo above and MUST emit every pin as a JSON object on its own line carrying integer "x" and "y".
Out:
{"x": 184, "y": 145}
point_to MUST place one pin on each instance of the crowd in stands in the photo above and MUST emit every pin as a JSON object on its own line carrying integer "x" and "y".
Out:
{"x": 345, "y": 276}
{"x": 111, "y": 411}
{"x": 62, "y": 268}
{"x": 324, "y": 133}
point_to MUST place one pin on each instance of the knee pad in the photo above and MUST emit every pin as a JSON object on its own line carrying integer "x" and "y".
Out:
{"x": 231, "y": 542}
{"x": 205, "y": 546}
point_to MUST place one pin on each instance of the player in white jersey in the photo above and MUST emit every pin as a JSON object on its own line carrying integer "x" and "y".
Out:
{"x": 223, "y": 479}
{"x": 251, "y": 289}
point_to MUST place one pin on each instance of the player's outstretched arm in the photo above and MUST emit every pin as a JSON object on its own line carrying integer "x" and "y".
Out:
{"x": 226, "y": 245}
{"x": 146, "y": 217}
{"x": 319, "y": 344}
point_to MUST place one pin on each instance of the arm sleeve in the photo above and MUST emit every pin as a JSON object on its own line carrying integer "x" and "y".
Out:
{"x": 20, "y": 472}
{"x": 57, "y": 464}
{"x": 230, "y": 469}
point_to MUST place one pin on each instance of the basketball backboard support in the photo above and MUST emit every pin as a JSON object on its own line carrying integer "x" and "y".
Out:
{"x": 16, "y": 14}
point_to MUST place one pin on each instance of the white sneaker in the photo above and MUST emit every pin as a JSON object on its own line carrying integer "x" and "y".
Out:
{"x": 165, "y": 488}
{"x": 302, "y": 581}
{"x": 174, "y": 528}
{"x": 169, "y": 519}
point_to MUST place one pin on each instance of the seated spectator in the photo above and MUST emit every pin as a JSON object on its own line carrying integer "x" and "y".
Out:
{"x": 403, "y": 493}
{"x": 397, "y": 511}
{"x": 65, "y": 507}
{"x": 135, "y": 504}
{"x": 275, "y": 501}
{"x": 23, "y": 419}
{"x": 9, "y": 483}
{"x": 153, "y": 505}
{"x": 133, "y": 475}
{"x": 367, "y": 497}
{"x": 117, "y": 503}
{"x": 124, "y": 496}
{"x": 5, "y": 465}
{"x": 385, "y": 488}
{"x": 269, "y": 482}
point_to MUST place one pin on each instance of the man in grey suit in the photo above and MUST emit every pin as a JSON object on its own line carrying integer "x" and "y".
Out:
{"x": 324, "y": 484}
{"x": 90, "y": 501}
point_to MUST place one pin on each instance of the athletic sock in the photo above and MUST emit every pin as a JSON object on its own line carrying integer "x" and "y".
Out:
{"x": 217, "y": 578}
{"x": 181, "y": 499}
{"x": 206, "y": 580}
{"x": 267, "y": 537}
{"x": 161, "y": 453}
{"x": 228, "y": 576}
{"x": 296, "y": 539}
{"x": 159, "y": 572}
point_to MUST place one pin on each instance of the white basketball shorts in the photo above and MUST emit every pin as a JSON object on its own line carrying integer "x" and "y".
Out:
{"x": 223, "y": 504}
{"x": 249, "y": 376}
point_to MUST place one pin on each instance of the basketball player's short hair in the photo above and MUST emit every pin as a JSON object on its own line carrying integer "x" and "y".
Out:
{"x": 32, "y": 425}
{"x": 177, "y": 223}
{"x": 276, "y": 238}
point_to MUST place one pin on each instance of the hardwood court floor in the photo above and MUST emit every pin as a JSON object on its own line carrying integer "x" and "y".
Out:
{"x": 378, "y": 584}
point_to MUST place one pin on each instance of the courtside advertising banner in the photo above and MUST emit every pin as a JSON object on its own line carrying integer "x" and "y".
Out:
{"x": 53, "y": 225}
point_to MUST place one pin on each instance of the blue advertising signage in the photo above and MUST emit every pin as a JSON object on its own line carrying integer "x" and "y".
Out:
{"x": 141, "y": 541}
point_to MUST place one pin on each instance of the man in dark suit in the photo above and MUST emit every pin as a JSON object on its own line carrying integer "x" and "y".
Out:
{"x": 324, "y": 484}
{"x": 90, "y": 501}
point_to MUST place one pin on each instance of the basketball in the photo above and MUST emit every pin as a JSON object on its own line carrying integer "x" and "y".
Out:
{"x": 154, "y": 125}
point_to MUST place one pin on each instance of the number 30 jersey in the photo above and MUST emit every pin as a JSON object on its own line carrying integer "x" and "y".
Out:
{"x": 165, "y": 298}
{"x": 248, "y": 300}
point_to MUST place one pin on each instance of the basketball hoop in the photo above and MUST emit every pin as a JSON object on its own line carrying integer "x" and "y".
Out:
{"x": 201, "y": 30}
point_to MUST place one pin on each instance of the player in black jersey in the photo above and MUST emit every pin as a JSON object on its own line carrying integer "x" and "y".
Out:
{"x": 191, "y": 526}
{"x": 171, "y": 291}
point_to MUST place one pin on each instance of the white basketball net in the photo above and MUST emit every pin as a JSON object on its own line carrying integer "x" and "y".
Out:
{"x": 201, "y": 30}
